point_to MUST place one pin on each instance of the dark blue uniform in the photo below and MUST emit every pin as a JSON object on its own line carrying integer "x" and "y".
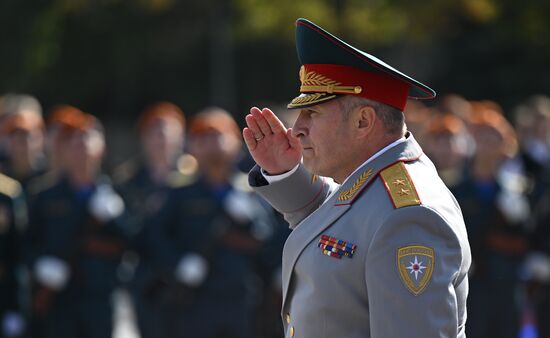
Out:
{"x": 144, "y": 198}
{"x": 61, "y": 226}
{"x": 201, "y": 219}
{"x": 539, "y": 288}
{"x": 498, "y": 248}
{"x": 13, "y": 215}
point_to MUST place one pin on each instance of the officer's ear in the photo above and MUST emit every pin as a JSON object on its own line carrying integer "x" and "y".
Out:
{"x": 366, "y": 120}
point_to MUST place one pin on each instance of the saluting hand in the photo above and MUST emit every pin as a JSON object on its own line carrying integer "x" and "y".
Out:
{"x": 270, "y": 143}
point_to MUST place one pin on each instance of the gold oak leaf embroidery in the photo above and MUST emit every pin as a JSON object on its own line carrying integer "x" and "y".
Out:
{"x": 348, "y": 194}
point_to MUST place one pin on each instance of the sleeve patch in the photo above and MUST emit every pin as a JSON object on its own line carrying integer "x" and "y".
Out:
{"x": 415, "y": 264}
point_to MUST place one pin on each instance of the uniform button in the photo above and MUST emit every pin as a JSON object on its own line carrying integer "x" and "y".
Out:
{"x": 287, "y": 318}
{"x": 291, "y": 332}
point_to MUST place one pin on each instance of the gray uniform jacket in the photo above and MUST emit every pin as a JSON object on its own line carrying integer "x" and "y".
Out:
{"x": 385, "y": 256}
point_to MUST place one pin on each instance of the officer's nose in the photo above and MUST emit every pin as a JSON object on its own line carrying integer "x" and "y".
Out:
{"x": 299, "y": 128}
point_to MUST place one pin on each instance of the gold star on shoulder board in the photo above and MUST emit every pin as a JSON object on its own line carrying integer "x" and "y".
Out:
{"x": 404, "y": 192}
{"x": 399, "y": 182}
{"x": 399, "y": 186}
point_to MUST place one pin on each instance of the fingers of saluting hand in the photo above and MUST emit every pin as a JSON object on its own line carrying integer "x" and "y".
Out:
{"x": 261, "y": 121}
{"x": 260, "y": 124}
{"x": 249, "y": 138}
{"x": 252, "y": 123}
{"x": 274, "y": 123}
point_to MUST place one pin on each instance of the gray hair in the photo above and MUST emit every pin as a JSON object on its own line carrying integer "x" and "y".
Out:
{"x": 392, "y": 118}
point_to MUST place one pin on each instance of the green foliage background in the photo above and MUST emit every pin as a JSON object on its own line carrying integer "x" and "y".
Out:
{"x": 113, "y": 57}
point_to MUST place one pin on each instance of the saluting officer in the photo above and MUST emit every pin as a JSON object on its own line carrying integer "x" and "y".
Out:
{"x": 379, "y": 247}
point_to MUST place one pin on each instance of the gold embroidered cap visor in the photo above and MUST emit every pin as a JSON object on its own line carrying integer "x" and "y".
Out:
{"x": 331, "y": 67}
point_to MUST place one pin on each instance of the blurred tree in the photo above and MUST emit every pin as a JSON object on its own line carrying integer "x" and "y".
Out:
{"x": 112, "y": 57}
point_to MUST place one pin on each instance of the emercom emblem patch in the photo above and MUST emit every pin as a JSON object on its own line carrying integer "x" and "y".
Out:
{"x": 415, "y": 264}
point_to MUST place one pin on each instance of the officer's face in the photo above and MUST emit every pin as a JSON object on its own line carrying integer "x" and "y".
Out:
{"x": 325, "y": 133}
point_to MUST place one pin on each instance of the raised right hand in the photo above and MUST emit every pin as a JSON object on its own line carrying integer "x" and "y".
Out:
{"x": 271, "y": 144}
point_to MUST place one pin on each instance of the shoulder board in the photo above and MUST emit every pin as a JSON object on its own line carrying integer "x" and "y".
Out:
{"x": 399, "y": 186}
{"x": 9, "y": 186}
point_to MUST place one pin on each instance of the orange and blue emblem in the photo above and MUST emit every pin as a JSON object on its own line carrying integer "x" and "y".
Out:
{"x": 336, "y": 248}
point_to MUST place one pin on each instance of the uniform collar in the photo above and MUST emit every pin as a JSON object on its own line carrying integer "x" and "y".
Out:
{"x": 405, "y": 149}
{"x": 376, "y": 155}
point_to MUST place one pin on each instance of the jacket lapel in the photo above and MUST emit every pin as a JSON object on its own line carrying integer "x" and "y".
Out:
{"x": 303, "y": 234}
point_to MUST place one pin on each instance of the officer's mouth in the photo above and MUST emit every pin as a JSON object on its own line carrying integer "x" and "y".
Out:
{"x": 307, "y": 151}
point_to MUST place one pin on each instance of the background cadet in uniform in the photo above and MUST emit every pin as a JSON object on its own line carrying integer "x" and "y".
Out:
{"x": 533, "y": 127}
{"x": 388, "y": 240}
{"x": 446, "y": 142}
{"x": 23, "y": 140}
{"x": 75, "y": 239}
{"x": 495, "y": 210}
{"x": 208, "y": 239}
{"x": 13, "y": 220}
{"x": 145, "y": 185}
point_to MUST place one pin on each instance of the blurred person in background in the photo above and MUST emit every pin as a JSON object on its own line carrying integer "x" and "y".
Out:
{"x": 209, "y": 237}
{"x": 23, "y": 140}
{"x": 60, "y": 117}
{"x": 456, "y": 105}
{"x": 417, "y": 114}
{"x": 533, "y": 125}
{"x": 145, "y": 185}
{"x": 495, "y": 211}
{"x": 446, "y": 142}
{"x": 537, "y": 264}
{"x": 13, "y": 220}
{"x": 75, "y": 239}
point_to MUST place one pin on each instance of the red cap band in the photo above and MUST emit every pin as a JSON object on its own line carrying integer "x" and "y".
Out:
{"x": 338, "y": 79}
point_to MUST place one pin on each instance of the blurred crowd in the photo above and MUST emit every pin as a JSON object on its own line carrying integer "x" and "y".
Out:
{"x": 199, "y": 255}
{"x": 177, "y": 227}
